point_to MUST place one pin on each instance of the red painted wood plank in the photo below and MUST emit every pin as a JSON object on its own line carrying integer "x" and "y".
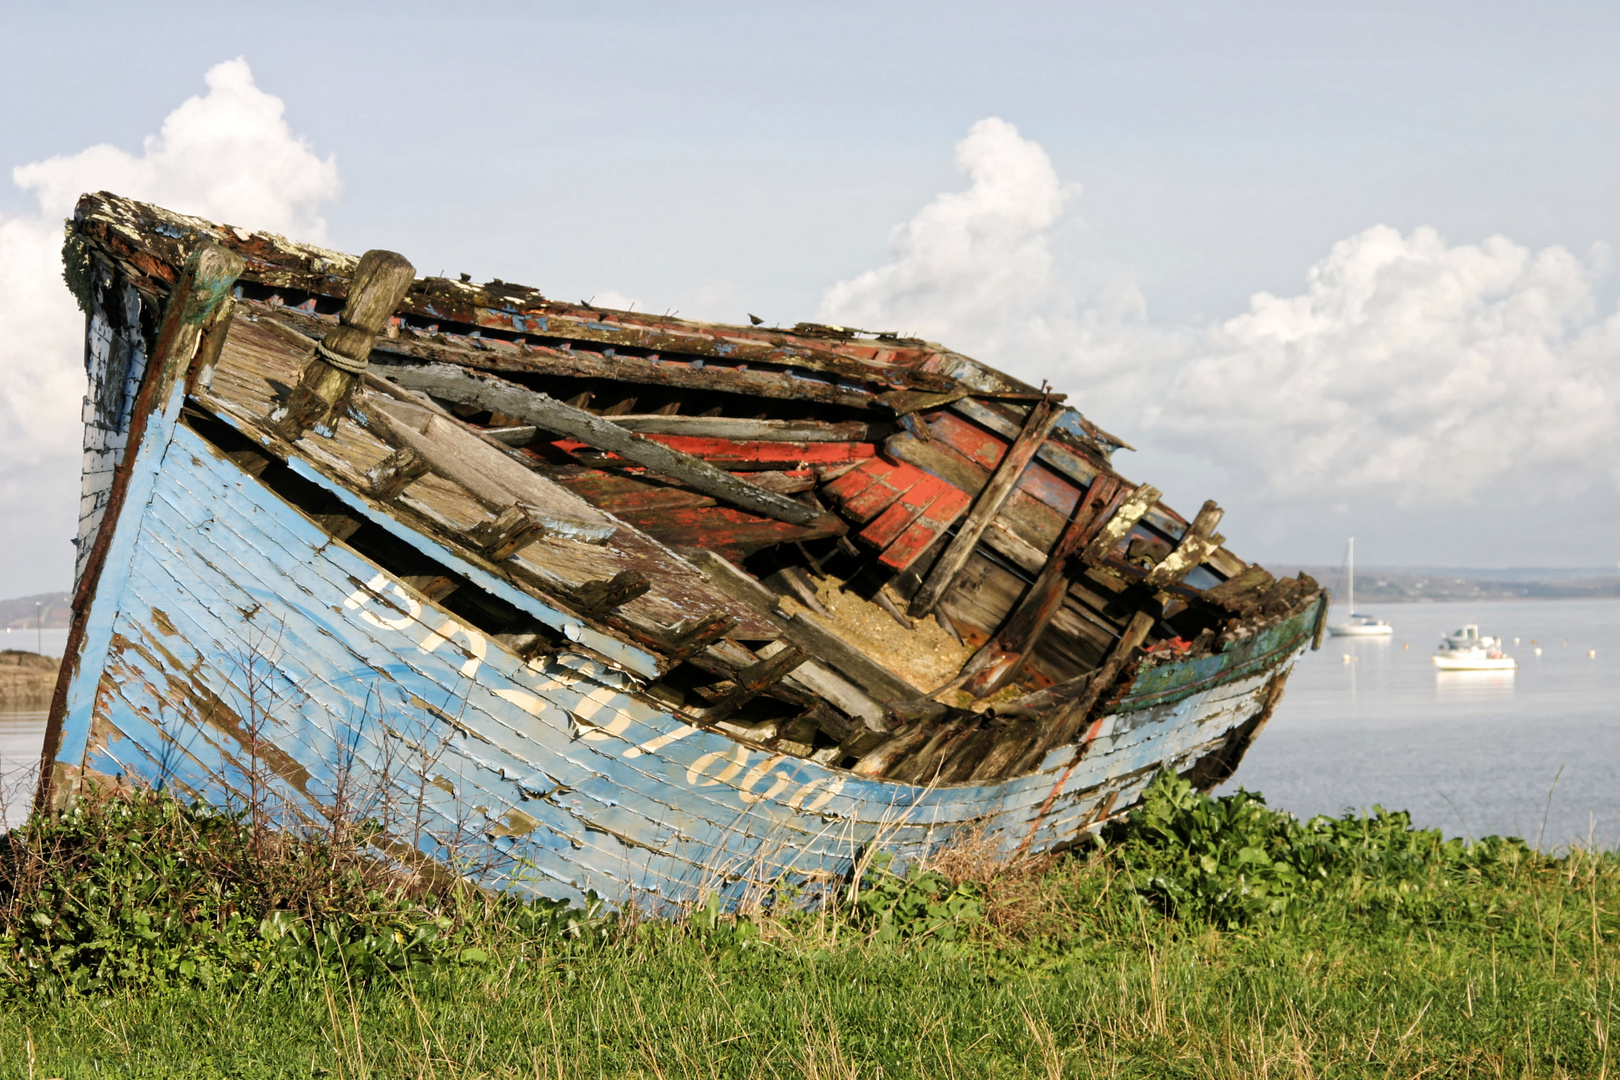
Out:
{"x": 883, "y": 492}
{"x": 921, "y": 534}
{"x": 858, "y": 479}
{"x": 892, "y": 522}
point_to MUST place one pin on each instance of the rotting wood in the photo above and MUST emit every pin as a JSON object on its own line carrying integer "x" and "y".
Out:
{"x": 512, "y": 530}
{"x": 737, "y": 429}
{"x": 394, "y": 473}
{"x": 1196, "y": 545}
{"x": 1242, "y": 594}
{"x": 755, "y": 680}
{"x": 542, "y": 410}
{"x": 1119, "y": 526}
{"x": 985, "y": 508}
{"x": 596, "y": 597}
{"x": 789, "y": 581}
{"x": 487, "y": 474}
{"x": 697, "y": 634}
{"x": 999, "y": 661}
{"x": 876, "y": 762}
{"x": 1061, "y": 728}
{"x": 331, "y": 372}
{"x": 195, "y": 305}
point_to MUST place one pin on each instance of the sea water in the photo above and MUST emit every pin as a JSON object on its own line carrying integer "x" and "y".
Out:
{"x": 1370, "y": 721}
{"x": 1532, "y": 753}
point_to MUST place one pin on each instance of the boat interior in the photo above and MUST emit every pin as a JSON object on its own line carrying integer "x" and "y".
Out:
{"x": 846, "y": 545}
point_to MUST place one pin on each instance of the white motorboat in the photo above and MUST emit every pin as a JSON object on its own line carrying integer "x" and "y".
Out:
{"x": 1474, "y": 658}
{"x": 1357, "y": 625}
{"x": 1467, "y": 649}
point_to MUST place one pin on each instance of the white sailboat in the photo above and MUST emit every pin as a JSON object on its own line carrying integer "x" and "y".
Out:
{"x": 1357, "y": 625}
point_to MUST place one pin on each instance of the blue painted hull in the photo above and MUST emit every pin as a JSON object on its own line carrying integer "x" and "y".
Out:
{"x": 232, "y": 643}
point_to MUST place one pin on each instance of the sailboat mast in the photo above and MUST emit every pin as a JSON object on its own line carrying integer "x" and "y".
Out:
{"x": 1350, "y": 560}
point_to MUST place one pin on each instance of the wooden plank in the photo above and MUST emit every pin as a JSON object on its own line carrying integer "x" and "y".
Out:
{"x": 759, "y": 455}
{"x": 487, "y": 391}
{"x": 739, "y": 429}
{"x": 725, "y": 527}
{"x": 985, "y": 508}
{"x": 858, "y": 479}
{"x": 999, "y": 661}
{"x": 533, "y": 359}
{"x": 1062, "y": 728}
{"x": 815, "y": 676}
{"x": 882, "y": 493}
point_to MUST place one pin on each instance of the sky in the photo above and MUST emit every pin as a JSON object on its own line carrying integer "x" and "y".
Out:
{"x": 1344, "y": 268}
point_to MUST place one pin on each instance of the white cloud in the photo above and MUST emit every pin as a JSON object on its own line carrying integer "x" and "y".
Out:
{"x": 1408, "y": 368}
{"x": 228, "y": 155}
{"x": 1413, "y": 368}
{"x": 974, "y": 269}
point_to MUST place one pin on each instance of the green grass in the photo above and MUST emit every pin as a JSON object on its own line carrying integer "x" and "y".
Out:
{"x": 1358, "y": 948}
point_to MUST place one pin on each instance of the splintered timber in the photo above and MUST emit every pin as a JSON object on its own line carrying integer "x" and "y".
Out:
{"x": 654, "y": 608}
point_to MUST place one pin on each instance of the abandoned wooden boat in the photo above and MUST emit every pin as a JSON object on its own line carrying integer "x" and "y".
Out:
{"x": 590, "y": 601}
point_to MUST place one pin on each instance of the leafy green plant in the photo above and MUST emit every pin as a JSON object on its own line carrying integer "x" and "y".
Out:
{"x": 1232, "y": 859}
{"x": 138, "y": 889}
{"x": 918, "y": 904}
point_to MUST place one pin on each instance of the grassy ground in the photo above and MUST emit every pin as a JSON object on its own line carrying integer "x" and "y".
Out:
{"x": 1399, "y": 956}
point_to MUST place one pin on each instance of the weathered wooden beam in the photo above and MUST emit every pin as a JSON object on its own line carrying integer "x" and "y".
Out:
{"x": 985, "y": 507}
{"x": 330, "y": 373}
{"x": 1200, "y": 541}
{"x": 542, "y": 410}
{"x": 587, "y": 364}
{"x": 697, "y": 634}
{"x": 739, "y": 429}
{"x": 495, "y": 480}
{"x": 809, "y": 634}
{"x": 1130, "y": 511}
{"x": 999, "y": 661}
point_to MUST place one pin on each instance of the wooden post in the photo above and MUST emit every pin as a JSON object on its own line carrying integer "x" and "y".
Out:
{"x": 330, "y": 373}
{"x": 1037, "y": 426}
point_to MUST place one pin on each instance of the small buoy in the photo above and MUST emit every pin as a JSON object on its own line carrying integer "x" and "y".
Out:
{"x": 1532, "y": 641}
{"x": 1566, "y": 641}
{"x": 1591, "y": 654}
{"x": 1538, "y": 652}
{"x": 1406, "y": 645}
{"x": 1515, "y": 641}
{"x": 1347, "y": 658}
